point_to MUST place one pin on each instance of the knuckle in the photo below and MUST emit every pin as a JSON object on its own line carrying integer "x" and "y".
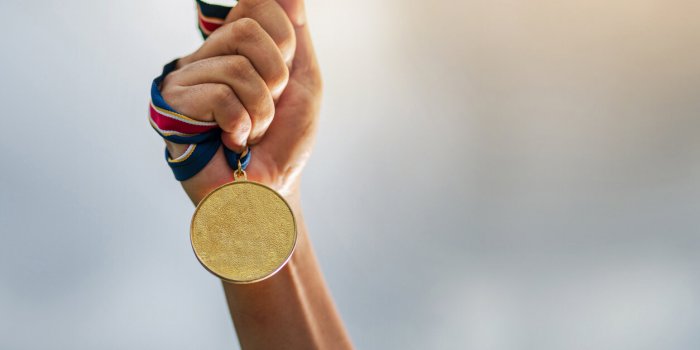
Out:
{"x": 240, "y": 65}
{"x": 222, "y": 94}
{"x": 169, "y": 96}
{"x": 169, "y": 90}
{"x": 247, "y": 29}
{"x": 169, "y": 81}
{"x": 284, "y": 34}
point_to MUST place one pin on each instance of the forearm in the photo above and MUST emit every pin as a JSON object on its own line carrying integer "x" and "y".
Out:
{"x": 292, "y": 309}
{"x": 240, "y": 78}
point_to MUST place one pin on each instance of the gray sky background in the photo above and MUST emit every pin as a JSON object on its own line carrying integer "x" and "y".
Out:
{"x": 488, "y": 175}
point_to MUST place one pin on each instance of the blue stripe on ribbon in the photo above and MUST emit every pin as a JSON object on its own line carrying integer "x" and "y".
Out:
{"x": 211, "y": 10}
{"x": 199, "y": 158}
{"x": 156, "y": 97}
{"x": 233, "y": 157}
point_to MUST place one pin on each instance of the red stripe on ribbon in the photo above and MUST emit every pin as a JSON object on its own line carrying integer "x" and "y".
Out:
{"x": 209, "y": 26}
{"x": 167, "y": 123}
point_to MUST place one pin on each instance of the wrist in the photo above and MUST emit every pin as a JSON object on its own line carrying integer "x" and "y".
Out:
{"x": 293, "y": 197}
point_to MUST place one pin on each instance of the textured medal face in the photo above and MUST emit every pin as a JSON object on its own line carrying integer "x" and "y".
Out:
{"x": 243, "y": 232}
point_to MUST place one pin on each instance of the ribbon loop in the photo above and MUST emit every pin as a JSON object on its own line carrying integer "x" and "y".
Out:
{"x": 204, "y": 138}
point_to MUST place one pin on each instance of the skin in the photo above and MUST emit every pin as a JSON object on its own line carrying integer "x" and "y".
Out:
{"x": 258, "y": 78}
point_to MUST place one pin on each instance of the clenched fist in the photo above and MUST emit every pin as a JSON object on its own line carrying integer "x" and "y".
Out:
{"x": 258, "y": 79}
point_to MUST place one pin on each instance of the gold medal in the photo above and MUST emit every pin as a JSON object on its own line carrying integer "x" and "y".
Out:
{"x": 243, "y": 231}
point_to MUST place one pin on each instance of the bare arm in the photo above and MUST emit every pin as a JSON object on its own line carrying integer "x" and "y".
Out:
{"x": 291, "y": 310}
{"x": 258, "y": 78}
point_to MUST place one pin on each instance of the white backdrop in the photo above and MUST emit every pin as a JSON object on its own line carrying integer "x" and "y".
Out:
{"x": 488, "y": 175}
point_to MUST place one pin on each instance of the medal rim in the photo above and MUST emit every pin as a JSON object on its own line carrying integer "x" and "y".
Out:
{"x": 286, "y": 260}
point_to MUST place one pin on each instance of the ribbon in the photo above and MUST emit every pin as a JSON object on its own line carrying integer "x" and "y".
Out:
{"x": 211, "y": 17}
{"x": 204, "y": 138}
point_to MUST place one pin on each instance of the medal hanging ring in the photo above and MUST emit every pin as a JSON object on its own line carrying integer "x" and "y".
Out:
{"x": 243, "y": 231}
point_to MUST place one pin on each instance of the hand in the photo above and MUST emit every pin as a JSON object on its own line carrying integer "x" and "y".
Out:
{"x": 258, "y": 78}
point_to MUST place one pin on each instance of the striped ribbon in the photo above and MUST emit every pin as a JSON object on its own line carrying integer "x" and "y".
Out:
{"x": 171, "y": 125}
{"x": 211, "y": 17}
{"x": 204, "y": 138}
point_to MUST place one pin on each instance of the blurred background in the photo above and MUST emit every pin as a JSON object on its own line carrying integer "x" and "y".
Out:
{"x": 488, "y": 175}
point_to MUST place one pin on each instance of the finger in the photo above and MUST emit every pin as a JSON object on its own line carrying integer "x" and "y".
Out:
{"x": 247, "y": 38}
{"x": 301, "y": 98}
{"x": 306, "y": 69}
{"x": 213, "y": 102}
{"x": 267, "y": 13}
{"x": 239, "y": 74}
{"x": 273, "y": 18}
{"x": 295, "y": 10}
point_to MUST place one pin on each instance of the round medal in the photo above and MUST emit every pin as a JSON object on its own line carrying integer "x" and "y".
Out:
{"x": 243, "y": 231}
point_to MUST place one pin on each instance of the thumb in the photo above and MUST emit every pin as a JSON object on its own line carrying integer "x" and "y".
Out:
{"x": 295, "y": 11}
{"x": 305, "y": 69}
